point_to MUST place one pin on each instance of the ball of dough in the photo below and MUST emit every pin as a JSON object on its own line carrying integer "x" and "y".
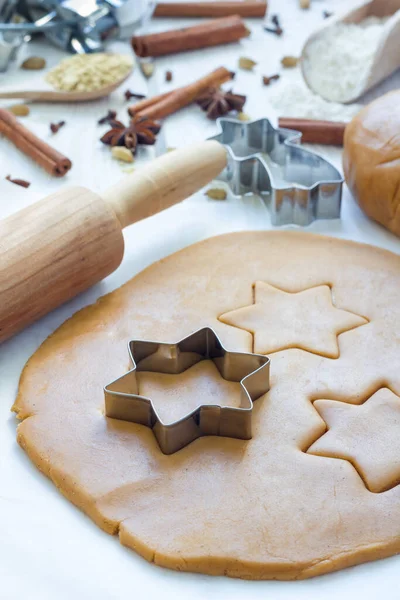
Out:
{"x": 371, "y": 160}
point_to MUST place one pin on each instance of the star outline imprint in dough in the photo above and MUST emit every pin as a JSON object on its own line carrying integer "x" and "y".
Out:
{"x": 124, "y": 402}
{"x": 307, "y": 320}
{"x": 367, "y": 435}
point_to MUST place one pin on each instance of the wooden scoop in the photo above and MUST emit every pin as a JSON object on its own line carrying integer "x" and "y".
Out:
{"x": 48, "y": 94}
{"x": 63, "y": 244}
{"x": 387, "y": 57}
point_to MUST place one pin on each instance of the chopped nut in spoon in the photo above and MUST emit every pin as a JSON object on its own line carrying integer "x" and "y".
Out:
{"x": 88, "y": 72}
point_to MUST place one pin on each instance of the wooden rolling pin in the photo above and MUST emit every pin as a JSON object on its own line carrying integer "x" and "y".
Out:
{"x": 63, "y": 244}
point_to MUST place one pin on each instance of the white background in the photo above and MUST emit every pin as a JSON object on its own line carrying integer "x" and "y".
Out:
{"x": 49, "y": 550}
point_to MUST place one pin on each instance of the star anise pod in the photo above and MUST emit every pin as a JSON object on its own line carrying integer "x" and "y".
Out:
{"x": 218, "y": 103}
{"x": 140, "y": 130}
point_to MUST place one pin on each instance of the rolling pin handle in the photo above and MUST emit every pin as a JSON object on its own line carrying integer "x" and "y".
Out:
{"x": 165, "y": 181}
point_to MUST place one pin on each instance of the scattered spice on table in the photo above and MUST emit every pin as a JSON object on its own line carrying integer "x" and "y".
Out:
{"x": 33, "y": 63}
{"x": 168, "y": 76}
{"x": 246, "y": 63}
{"x": 276, "y": 20}
{"x": 217, "y": 102}
{"x": 216, "y": 193}
{"x": 31, "y": 145}
{"x": 110, "y": 116}
{"x": 276, "y": 30}
{"x": 147, "y": 69}
{"x": 128, "y": 95}
{"x": 140, "y": 130}
{"x": 216, "y": 8}
{"x": 314, "y": 131}
{"x": 326, "y": 14}
{"x": 209, "y": 33}
{"x": 289, "y": 62}
{"x": 21, "y": 182}
{"x": 268, "y": 80}
{"x": 55, "y": 127}
{"x": 304, "y": 4}
{"x": 19, "y": 110}
{"x": 122, "y": 154}
{"x": 277, "y": 27}
{"x": 159, "y": 107}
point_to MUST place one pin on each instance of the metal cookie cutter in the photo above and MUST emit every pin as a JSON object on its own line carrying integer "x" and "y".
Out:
{"x": 297, "y": 185}
{"x": 74, "y": 25}
{"x": 123, "y": 401}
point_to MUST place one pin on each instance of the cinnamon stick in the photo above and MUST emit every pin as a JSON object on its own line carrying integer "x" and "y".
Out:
{"x": 161, "y": 106}
{"x": 134, "y": 109}
{"x": 244, "y": 8}
{"x": 329, "y": 133}
{"x": 210, "y": 33}
{"x": 44, "y": 155}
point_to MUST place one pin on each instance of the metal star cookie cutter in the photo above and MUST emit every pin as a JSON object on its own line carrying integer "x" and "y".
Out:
{"x": 297, "y": 185}
{"x": 123, "y": 401}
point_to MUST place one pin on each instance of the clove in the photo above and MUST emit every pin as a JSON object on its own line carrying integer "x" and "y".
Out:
{"x": 128, "y": 95}
{"x": 55, "y": 127}
{"x": 110, "y": 116}
{"x": 268, "y": 80}
{"x": 21, "y": 182}
{"x": 277, "y": 30}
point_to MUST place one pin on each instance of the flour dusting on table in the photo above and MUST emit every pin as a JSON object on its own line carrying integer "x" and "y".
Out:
{"x": 294, "y": 99}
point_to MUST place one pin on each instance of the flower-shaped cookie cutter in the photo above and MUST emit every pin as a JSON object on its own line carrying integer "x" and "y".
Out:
{"x": 297, "y": 185}
{"x": 123, "y": 400}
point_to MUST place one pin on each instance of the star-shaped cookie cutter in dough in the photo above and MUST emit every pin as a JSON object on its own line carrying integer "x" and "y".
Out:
{"x": 123, "y": 400}
{"x": 297, "y": 185}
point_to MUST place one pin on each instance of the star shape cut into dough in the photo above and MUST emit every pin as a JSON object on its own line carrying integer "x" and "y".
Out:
{"x": 368, "y": 436}
{"x": 280, "y": 320}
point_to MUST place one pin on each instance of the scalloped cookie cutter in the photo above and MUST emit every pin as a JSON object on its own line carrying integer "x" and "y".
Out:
{"x": 297, "y": 185}
{"x": 123, "y": 401}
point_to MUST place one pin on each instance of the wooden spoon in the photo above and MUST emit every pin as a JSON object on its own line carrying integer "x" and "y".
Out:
{"x": 387, "y": 56}
{"x": 52, "y": 95}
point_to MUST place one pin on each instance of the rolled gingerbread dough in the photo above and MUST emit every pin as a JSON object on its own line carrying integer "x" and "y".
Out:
{"x": 294, "y": 501}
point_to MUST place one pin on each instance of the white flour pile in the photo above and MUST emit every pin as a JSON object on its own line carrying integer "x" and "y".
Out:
{"x": 294, "y": 99}
{"x": 337, "y": 62}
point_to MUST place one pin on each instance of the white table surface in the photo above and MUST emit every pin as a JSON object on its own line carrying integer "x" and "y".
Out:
{"x": 49, "y": 550}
